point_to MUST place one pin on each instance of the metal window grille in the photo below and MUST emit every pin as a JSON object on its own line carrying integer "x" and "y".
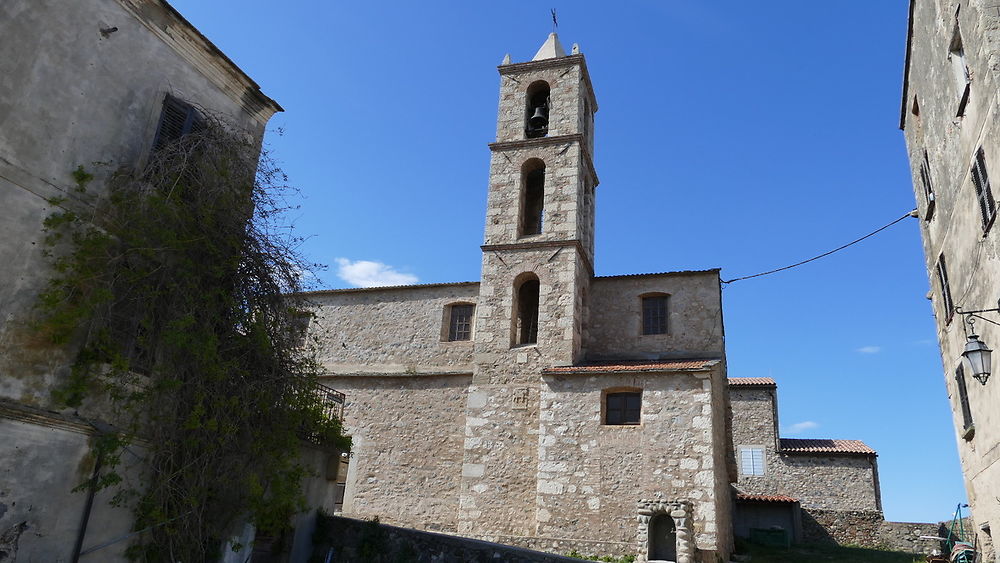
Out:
{"x": 654, "y": 314}
{"x": 946, "y": 302}
{"x": 963, "y": 397}
{"x": 623, "y": 408}
{"x": 751, "y": 461}
{"x": 980, "y": 178}
{"x": 460, "y": 323}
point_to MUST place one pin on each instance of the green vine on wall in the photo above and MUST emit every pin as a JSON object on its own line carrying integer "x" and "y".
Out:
{"x": 178, "y": 291}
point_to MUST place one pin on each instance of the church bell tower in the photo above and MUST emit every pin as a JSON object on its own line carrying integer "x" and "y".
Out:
{"x": 538, "y": 257}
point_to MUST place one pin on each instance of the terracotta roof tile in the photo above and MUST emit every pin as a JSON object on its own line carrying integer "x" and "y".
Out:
{"x": 793, "y": 445}
{"x": 632, "y": 366}
{"x": 740, "y": 381}
{"x": 764, "y": 498}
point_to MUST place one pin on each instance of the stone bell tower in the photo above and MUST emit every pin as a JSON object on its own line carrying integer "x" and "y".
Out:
{"x": 538, "y": 258}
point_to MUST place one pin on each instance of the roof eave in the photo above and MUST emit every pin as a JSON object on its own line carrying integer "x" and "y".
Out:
{"x": 906, "y": 67}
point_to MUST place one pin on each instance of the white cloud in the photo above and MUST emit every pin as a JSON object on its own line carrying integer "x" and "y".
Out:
{"x": 365, "y": 273}
{"x": 800, "y": 427}
{"x": 870, "y": 349}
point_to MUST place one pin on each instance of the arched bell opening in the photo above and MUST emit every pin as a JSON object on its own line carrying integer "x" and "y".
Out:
{"x": 536, "y": 116}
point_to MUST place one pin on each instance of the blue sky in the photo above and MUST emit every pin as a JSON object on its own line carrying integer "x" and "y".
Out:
{"x": 740, "y": 135}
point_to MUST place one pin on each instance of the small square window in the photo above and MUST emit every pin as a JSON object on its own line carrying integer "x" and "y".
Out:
{"x": 623, "y": 408}
{"x": 654, "y": 314}
{"x": 460, "y": 322}
{"x": 751, "y": 460}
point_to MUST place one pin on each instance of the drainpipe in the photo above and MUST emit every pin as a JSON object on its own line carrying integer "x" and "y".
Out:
{"x": 91, "y": 491}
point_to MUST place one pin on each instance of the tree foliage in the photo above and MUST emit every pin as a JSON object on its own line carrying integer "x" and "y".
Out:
{"x": 179, "y": 293}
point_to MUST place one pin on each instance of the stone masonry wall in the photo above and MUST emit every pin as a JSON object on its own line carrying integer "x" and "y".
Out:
{"x": 590, "y": 475}
{"x": 354, "y": 541}
{"x": 406, "y": 462}
{"x": 694, "y": 325}
{"x": 830, "y": 481}
{"x": 391, "y": 330}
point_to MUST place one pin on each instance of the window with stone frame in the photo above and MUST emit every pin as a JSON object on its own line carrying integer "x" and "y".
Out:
{"x": 298, "y": 327}
{"x": 623, "y": 408}
{"x": 460, "y": 317}
{"x": 963, "y": 397}
{"x": 981, "y": 180}
{"x": 654, "y": 313}
{"x": 751, "y": 460}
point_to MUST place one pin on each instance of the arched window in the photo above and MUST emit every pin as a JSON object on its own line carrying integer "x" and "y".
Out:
{"x": 458, "y": 320}
{"x": 654, "y": 313}
{"x": 532, "y": 197}
{"x": 526, "y": 310}
{"x": 536, "y": 115}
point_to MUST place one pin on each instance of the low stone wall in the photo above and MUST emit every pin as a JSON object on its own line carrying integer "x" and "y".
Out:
{"x": 867, "y": 528}
{"x": 905, "y": 536}
{"x": 360, "y": 541}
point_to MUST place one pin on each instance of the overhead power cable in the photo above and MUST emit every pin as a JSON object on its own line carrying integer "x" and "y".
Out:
{"x": 839, "y": 248}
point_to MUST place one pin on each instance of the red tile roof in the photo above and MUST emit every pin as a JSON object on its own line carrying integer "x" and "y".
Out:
{"x": 793, "y": 445}
{"x": 633, "y": 366}
{"x": 748, "y": 381}
{"x": 764, "y": 498}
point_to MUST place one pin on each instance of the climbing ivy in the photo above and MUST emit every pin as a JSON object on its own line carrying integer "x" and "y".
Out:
{"x": 178, "y": 289}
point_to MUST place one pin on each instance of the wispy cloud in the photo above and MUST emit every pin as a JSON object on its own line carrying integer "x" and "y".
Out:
{"x": 800, "y": 427}
{"x": 870, "y": 349}
{"x": 366, "y": 273}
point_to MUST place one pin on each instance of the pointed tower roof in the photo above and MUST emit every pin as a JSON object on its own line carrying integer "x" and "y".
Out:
{"x": 551, "y": 49}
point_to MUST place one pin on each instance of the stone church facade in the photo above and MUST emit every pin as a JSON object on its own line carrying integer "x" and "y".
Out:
{"x": 542, "y": 406}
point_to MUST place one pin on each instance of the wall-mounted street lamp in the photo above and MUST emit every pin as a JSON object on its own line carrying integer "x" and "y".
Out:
{"x": 977, "y": 356}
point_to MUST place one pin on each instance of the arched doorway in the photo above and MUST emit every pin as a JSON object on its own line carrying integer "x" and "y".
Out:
{"x": 662, "y": 538}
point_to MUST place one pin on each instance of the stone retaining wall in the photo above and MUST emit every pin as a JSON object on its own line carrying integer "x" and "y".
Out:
{"x": 370, "y": 542}
{"x": 868, "y": 529}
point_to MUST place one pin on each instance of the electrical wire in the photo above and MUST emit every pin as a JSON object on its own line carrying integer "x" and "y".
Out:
{"x": 825, "y": 254}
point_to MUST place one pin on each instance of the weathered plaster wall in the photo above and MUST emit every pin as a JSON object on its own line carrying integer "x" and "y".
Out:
{"x": 954, "y": 228}
{"x": 75, "y": 97}
{"x": 44, "y": 457}
{"x": 406, "y": 462}
{"x": 694, "y": 325}
{"x": 391, "y": 330}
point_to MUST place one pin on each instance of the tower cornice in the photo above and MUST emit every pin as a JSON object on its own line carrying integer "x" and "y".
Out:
{"x": 557, "y": 62}
{"x": 530, "y": 245}
{"x": 577, "y": 138}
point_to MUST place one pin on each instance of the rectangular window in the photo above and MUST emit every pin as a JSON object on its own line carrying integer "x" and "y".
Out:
{"x": 963, "y": 397}
{"x": 751, "y": 460}
{"x": 946, "y": 302}
{"x": 654, "y": 314}
{"x": 623, "y": 408}
{"x": 925, "y": 180}
{"x": 987, "y": 206}
{"x": 956, "y": 56}
{"x": 460, "y": 323}
{"x": 177, "y": 119}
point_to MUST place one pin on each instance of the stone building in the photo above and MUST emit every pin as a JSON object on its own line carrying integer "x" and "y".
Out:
{"x": 541, "y": 406}
{"x": 818, "y": 490}
{"x": 84, "y": 82}
{"x": 950, "y": 117}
